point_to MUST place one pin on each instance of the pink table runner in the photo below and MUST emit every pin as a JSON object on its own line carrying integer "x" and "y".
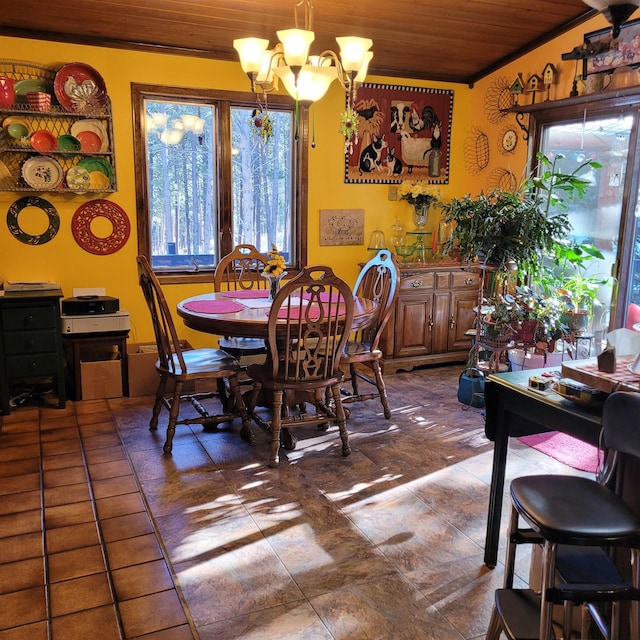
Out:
{"x": 213, "y": 306}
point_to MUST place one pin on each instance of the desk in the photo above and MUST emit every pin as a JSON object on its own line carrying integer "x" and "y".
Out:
{"x": 514, "y": 410}
{"x": 252, "y": 323}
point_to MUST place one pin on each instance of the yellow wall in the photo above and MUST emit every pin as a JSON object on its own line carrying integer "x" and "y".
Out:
{"x": 63, "y": 261}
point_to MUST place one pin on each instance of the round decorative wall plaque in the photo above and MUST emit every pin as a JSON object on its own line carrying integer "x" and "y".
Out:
{"x": 40, "y": 203}
{"x": 87, "y": 213}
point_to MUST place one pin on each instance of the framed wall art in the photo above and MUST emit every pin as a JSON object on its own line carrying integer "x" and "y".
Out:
{"x": 610, "y": 54}
{"x": 404, "y": 133}
{"x": 341, "y": 227}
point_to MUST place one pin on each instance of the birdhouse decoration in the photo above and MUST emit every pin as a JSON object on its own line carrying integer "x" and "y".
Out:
{"x": 534, "y": 84}
{"x": 549, "y": 75}
{"x": 517, "y": 88}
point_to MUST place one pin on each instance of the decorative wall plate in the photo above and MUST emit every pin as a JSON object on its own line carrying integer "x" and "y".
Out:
{"x": 81, "y": 227}
{"x": 40, "y": 203}
{"x": 78, "y": 179}
{"x": 42, "y": 172}
{"x": 80, "y": 88}
{"x": 93, "y": 126}
{"x": 44, "y": 141}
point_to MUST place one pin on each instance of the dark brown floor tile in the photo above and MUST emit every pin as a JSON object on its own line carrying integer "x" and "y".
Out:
{"x": 22, "y": 547}
{"x": 92, "y": 411}
{"x": 113, "y": 469}
{"x": 22, "y": 426}
{"x": 17, "y": 502}
{"x": 114, "y": 486}
{"x": 67, "y": 494}
{"x": 22, "y": 607}
{"x": 21, "y": 439}
{"x": 124, "y": 553}
{"x": 59, "y": 433}
{"x": 99, "y": 624}
{"x": 19, "y": 467}
{"x": 15, "y": 524}
{"x": 106, "y": 454}
{"x": 22, "y": 452}
{"x": 20, "y": 483}
{"x": 182, "y": 632}
{"x": 75, "y": 563}
{"x": 63, "y": 461}
{"x": 120, "y": 505}
{"x": 74, "y": 536}
{"x": 64, "y": 477}
{"x": 142, "y": 579}
{"x": 128, "y": 526}
{"x": 35, "y": 631}
{"x": 97, "y": 428}
{"x": 60, "y": 447}
{"x": 24, "y": 574}
{"x": 71, "y": 596}
{"x": 152, "y": 613}
{"x": 68, "y": 514}
{"x": 100, "y": 441}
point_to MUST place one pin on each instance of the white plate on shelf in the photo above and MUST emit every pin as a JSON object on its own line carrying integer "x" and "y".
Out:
{"x": 78, "y": 179}
{"x": 42, "y": 172}
{"x": 93, "y": 126}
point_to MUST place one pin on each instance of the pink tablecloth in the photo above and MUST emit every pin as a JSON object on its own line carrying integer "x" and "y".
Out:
{"x": 213, "y": 306}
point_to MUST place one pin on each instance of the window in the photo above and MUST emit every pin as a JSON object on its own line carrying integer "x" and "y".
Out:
{"x": 602, "y": 127}
{"x": 207, "y": 180}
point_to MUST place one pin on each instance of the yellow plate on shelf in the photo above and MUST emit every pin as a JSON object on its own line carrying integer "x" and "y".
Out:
{"x": 97, "y": 180}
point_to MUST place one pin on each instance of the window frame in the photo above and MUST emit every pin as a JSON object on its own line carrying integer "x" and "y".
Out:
{"x": 223, "y": 101}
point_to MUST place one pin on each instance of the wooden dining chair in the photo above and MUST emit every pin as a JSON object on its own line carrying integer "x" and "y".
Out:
{"x": 378, "y": 281}
{"x": 241, "y": 270}
{"x": 308, "y": 328}
{"x": 177, "y": 367}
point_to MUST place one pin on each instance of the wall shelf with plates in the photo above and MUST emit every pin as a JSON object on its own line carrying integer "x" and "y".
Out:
{"x": 56, "y": 147}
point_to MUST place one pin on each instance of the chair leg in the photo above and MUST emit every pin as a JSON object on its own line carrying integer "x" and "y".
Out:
{"x": 495, "y": 625}
{"x": 382, "y": 389}
{"x": 354, "y": 380}
{"x": 549, "y": 551}
{"x": 245, "y": 431}
{"x": 510, "y": 560}
{"x": 276, "y": 424}
{"x": 157, "y": 406}
{"x": 173, "y": 417}
{"x": 341, "y": 420}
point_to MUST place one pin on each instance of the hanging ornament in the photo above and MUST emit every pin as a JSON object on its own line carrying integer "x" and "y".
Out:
{"x": 349, "y": 128}
{"x": 262, "y": 123}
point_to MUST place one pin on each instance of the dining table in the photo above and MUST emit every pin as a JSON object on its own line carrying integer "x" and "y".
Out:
{"x": 245, "y": 313}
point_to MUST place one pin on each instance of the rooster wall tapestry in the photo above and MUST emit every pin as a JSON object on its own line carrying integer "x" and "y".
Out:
{"x": 403, "y": 133}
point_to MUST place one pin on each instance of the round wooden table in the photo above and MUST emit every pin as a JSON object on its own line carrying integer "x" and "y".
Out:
{"x": 251, "y": 322}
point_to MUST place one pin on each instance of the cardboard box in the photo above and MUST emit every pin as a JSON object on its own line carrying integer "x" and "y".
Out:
{"x": 101, "y": 379}
{"x": 141, "y": 362}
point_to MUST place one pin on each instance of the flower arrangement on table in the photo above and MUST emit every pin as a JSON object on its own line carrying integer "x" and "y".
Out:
{"x": 419, "y": 193}
{"x": 276, "y": 265}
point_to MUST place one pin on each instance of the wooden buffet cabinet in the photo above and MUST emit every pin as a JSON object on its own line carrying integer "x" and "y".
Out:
{"x": 434, "y": 309}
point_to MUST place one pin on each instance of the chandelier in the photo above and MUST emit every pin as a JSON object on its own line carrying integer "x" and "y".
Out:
{"x": 306, "y": 78}
{"x": 617, "y": 12}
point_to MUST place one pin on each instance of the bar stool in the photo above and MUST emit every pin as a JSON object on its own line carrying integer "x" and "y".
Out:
{"x": 580, "y": 513}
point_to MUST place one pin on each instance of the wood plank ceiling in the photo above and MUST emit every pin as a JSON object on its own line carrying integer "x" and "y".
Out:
{"x": 445, "y": 40}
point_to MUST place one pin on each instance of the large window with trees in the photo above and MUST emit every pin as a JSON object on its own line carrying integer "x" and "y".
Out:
{"x": 214, "y": 170}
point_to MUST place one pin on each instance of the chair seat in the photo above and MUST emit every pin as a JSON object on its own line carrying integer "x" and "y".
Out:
{"x": 239, "y": 347}
{"x": 353, "y": 351}
{"x": 201, "y": 363}
{"x": 562, "y": 508}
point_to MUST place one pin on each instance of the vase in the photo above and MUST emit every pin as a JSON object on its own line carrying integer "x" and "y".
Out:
{"x": 420, "y": 213}
{"x": 7, "y": 92}
{"x": 274, "y": 283}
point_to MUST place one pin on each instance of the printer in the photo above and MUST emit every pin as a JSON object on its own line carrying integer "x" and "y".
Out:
{"x": 91, "y": 311}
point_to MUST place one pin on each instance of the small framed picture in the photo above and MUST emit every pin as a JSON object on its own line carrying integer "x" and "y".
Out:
{"x": 341, "y": 227}
{"x": 610, "y": 54}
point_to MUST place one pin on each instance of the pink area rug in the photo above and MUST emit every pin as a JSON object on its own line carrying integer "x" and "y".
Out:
{"x": 568, "y": 450}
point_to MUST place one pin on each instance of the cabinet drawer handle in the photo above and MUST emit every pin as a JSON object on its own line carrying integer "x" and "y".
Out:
{"x": 28, "y": 319}
{"x": 452, "y": 322}
{"x": 33, "y": 366}
{"x": 469, "y": 280}
{"x": 416, "y": 283}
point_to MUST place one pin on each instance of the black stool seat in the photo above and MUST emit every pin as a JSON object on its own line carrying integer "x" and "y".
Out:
{"x": 562, "y": 508}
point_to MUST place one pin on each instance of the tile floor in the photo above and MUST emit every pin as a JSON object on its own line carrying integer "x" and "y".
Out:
{"x": 103, "y": 537}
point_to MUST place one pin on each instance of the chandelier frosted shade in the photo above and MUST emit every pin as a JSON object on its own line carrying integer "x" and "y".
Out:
{"x": 295, "y": 45}
{"x": 251, "y": 52}
{"x": 311, "y": 83}
{"x": 353, "y": 52}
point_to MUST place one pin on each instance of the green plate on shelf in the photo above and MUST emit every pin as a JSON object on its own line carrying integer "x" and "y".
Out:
{"x": 68, "y": 145}
{"x": 97, "y": 164}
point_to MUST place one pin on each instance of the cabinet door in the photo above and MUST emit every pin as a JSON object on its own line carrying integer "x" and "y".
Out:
{"x": 461, "y": 319}
{"x": 413, "y": 326}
